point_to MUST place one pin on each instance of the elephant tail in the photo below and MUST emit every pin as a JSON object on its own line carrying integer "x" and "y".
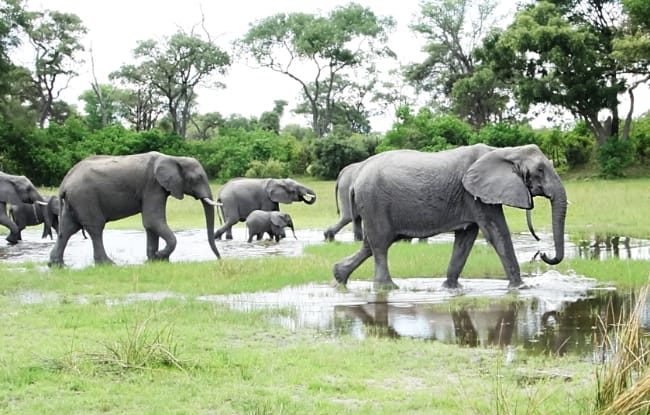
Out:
{"x": 336, "y": 197}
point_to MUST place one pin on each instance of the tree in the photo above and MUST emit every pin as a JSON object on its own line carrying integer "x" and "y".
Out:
{"x": 450, "y": 71}
{"x": 205, "y": 126}
{"x": 560, "y": 53}
{"x": 101, "y": 106}
{"x": 348, "y": 37}
{"x": 270, "y": 120}
{"x": 175, "y": 67}
{"x": 55, "y": 37}
{"x": 12, "y": 19}
{"x": 138, "y": 102}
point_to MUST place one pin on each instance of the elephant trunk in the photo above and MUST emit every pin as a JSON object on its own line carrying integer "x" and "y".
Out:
{"x": 293, "y": 231}
{"x": 558, "y": 213}
{"x": 208, "y": 208}
{"x": 309, "y": 197}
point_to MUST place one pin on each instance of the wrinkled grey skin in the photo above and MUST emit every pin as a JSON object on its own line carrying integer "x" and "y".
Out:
{"x": 342, "y": 193}
{"x": 273, "y": 223}
{"x": 239, "y": 197}
{"x": 31, "y": 214}
{"x": 101, "y": 189}
{"x": 15, "y": 190}
{"x": 408, "y": 194}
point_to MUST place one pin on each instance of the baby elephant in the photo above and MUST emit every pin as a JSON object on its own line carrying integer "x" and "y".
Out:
{"x": 30, "y": 214}
{"x": 273, "y": 223}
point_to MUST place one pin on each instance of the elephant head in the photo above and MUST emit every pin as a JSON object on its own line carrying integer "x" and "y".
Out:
{"x": 282, "y": 220}
{"x": 513, "y": 176}
{"x": 185, "y": 175}
{"x": 16, "y": 190}
{"x": 288, "y": 191}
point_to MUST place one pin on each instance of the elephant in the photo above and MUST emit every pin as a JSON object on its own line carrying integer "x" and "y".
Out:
{"x": 240, "y": 196}
{"x": 101, "y": 189}
{"x": 15, "y": 190}
{"x": 342, "y": 192}
{"x": 406, "y": 193}
{"x": 30, "y": 214}
{"x": 273, "y": 223}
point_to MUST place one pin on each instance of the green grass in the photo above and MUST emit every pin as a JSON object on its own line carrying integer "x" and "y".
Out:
{"x": 83, "y": 350}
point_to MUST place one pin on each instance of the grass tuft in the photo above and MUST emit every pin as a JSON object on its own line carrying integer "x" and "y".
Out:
{"x": 624, "y": 381}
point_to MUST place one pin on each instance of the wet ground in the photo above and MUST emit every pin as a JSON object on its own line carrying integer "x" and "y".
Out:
{"x": 128, "y": 247}
{"x": 551, "y": 314}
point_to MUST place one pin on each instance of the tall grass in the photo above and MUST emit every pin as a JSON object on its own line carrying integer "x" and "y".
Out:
{"x": 624, "y": 381}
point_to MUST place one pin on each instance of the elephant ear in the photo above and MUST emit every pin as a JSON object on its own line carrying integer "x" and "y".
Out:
{"x": 9, "y": 193}
{"x": 278, "y": 191}
{"x": 168, "y": 174}
{"x": 495, "y": 178}
{"x": 279, "y": 220}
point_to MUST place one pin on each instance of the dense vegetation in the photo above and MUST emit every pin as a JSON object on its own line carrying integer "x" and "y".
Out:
{"x": 572, "y": 60}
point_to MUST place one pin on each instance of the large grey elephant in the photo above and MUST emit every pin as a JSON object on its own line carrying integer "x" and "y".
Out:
{"x": 271, "y": 222}
{"x": 15, "y": 190}
{"x": 31, "y": 214}
{"x": 342, "y": 192}
{"x": 101, "y": 189}
{"x": 239, "y": 197}
{"x": 407, "y": 194}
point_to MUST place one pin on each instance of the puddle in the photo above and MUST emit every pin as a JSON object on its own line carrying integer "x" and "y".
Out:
{"x": 128, "y": 246}
{"x": 553, "y": 314}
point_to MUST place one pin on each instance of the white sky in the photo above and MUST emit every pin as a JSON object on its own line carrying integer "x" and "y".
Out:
{"x": 114, "y": 26}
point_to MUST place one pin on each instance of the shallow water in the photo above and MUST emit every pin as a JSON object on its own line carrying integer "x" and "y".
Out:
{"x": 128, "y": 246}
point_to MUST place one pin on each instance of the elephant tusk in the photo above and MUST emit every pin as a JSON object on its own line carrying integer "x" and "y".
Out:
{"x": 211, "y": 202}
{"x": 41, "y": 203}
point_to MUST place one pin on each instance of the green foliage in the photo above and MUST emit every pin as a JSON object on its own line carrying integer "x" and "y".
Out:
{"x": 333, "y": 152}
{"x": 640, "y": 138}
{"x": 614, "y": 156}
{"x": 507, "y": 135}
{"x": 426, "y": 131}
{"x": 580, "y": 144}
{"x": 232, "y": 153}
{"x": 267, "y": 168}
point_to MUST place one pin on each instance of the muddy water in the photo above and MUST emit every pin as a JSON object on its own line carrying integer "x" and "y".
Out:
{"x": 552, "y": 313}
{"x": 128, "y": 247}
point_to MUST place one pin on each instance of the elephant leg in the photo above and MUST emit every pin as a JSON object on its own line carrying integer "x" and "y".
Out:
{"x": 334, "y": 229}
{"x": 161, "y": 230}
{"x": 14, "y": 232}
{"x": 346, "y": 266}
{"x": 463, "y": 242}
{"x": 153, "y": 242}
{"x": 498, "y": 235}
{"x": 97, "y": 237}
{"x": 226, "y": 228}
{"x": 382, "y": 275}
{"x": 67, "y": 228}
{"x": 357, "y": 229}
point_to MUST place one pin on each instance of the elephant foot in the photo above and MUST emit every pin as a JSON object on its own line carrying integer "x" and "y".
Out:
{"x": 55, "y": 264}
{"x": 340, "y": 276}
{"x": 451, "y": 284}
{"x": 329, "y": 236}
{"x": 339, "y": 286}
{"x": 12, "y": 239}
{"x": 385, "y": 285}
{"x": 513, "y": 284}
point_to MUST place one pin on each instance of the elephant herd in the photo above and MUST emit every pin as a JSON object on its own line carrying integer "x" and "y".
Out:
{"x": 391, "y": 196}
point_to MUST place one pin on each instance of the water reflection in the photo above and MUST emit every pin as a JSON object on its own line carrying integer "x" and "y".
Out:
{"x": 603, "y": 247}
{"x": 553, "y": 315}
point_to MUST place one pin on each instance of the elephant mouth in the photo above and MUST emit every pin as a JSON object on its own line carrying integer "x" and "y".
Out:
{"x": 308, "y": 198}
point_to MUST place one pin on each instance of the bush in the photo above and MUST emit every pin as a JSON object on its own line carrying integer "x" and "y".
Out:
{"x": 334, "y": 152}
{"x": 507, "y": 135}
{"x": 614, "y": 156}
{"x": 268, "y": 168}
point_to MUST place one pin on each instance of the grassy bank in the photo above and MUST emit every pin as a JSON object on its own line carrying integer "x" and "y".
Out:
{"x": 72, "y": 342}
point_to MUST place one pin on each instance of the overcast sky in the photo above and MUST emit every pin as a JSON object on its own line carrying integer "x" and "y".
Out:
{"x": 114, "y": 27}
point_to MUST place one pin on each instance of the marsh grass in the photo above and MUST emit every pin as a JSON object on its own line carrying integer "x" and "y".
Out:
{"x": 623, "y": 382}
